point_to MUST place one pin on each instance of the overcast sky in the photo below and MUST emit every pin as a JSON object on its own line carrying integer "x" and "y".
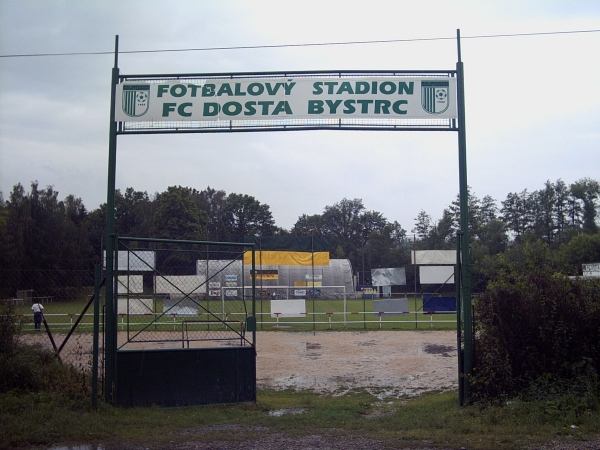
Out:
{"x": 532, "y": 102}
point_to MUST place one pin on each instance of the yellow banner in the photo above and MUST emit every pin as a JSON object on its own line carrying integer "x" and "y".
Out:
{"x": 285, "y": 258}
{"x": 266, "y": 276}
{"x": 308, "y": 283}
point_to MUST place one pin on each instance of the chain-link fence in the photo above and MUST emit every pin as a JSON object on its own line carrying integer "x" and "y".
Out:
{"x": 64, "y": 298}
{"x": 183, "y": 294}
{"x": 187, "y": 299}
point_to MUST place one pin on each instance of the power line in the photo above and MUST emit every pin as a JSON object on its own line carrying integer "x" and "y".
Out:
{"x": 322, "y": 44}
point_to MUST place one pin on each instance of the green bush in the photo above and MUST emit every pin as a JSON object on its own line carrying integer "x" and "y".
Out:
{"x": 9, "y": 330}
{"x": 30, "y": 368}
{"x": 537, "y": 332}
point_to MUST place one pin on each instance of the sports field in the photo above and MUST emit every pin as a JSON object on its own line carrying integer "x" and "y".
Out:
{"x": 351, "y": 314}
{"x": 338, "y": 345}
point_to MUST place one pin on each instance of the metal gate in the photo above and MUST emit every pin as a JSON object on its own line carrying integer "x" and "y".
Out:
{"x": 181, "y": 334}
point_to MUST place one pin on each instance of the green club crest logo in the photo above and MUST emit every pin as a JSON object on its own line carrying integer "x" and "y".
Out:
{"x": 136, "y": 99}
{"x": 434, "y": 96}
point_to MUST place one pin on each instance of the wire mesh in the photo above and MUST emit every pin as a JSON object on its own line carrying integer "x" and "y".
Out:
{"x": 167, "y": 296}
{"x": 65, "y": 298}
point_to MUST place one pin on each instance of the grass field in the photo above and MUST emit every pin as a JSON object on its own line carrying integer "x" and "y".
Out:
{"x": 352, "y": 314}
{"x": 296, "y": 420}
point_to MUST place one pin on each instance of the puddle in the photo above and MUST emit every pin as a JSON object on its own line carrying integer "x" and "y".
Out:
{"x": 82, "y": 447}
{"x": 310, "y": 350}
{"x": 436, "y": 349}
{"x": 283, "y": 412}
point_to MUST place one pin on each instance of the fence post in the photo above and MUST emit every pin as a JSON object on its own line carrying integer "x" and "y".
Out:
{"x": 97, "y": 275}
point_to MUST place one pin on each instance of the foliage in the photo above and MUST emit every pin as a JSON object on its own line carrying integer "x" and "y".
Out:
{"x": 37, "y": 231}
{"x": 40, "y": 232}
{"x": 178, "y": 217}
{"x": 583, "y": 248}
{"x": 9, "y": 331}
{"x": 555, "y": 212}
{"x": 364, "y": 237}
{"x": 29, "y": 368}
{"x": 536, "y": 328}
{"x": 243, "y": 215}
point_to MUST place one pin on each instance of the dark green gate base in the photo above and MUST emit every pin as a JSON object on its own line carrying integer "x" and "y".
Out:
{"x": 186, "y": 377}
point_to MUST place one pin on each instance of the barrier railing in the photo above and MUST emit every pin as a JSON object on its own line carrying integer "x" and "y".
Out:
{"x": 266, "y": 320}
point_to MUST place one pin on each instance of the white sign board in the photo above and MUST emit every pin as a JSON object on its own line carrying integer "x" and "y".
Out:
{"x": 393, "y": 276}
{"x": 436, "y": 274}
{"x": 288, "y": 308}
{"x": 133, "y": 261}
{"x": 131, "y": 284}
{"x": 395, "y": 307}
{"x": 287, "y": 98}
{"x": 433, "y": 257}
{"x": 180, "y": 284}
{"x": 135, "y": 306}
{"x": 177, "y": 305}
{"x": 591, "y": 270}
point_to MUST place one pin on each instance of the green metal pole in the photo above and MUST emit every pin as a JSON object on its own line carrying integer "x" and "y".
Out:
{"x": 97, "y": 275}
{"x": 415, "y": 275}
{"x": 458, "y": 278}
{"x": 253, "y": 271}
{"x": 465, "y": 260}
{"x": 110, "y": 344}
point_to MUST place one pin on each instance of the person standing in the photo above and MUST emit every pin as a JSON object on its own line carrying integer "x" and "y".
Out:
{"x": 37, "y": 309}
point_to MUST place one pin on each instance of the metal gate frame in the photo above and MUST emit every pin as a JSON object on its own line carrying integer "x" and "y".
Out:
{"x": 465, "y": 335}
{"x": 176, "y": 377}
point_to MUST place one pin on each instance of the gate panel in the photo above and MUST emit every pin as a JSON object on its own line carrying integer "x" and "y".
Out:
{"x": 181, "y": 318}
{"x": 186, "y": 377}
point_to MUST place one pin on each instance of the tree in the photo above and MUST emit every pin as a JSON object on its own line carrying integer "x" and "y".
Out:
{"x": 561, "y": 208}
{"x": 516, "y": 213}
{"x": 178, "y": 217}
{"x": 342, "y": 224}
{"x": 371, "y": 222}
{"x": 76, "y": 244}
{"x": 243, "y": 215}
{"x": 582, "y": 249}
{"x": 443, "y": 231}
{"x": 493, "y": 237}
{"x": 386, "y": 247}
{"x": 474, "y": 205}
{"x": 488, "y": 211}
{"x": 132, "y": 215}
{"x": 308, "y": 225}
{"x": 213, "y": 203}
{"x": 364, "y": 237}
{"x": 16, "y": 226}
{"x": 543, "y": 205}
{"x": 587, "y": 191}
{"x": 39, "y": 232}
{"x": 423, "y": 225}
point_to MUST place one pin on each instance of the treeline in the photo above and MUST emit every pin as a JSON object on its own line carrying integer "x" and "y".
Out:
{"x": 40, "y": 232}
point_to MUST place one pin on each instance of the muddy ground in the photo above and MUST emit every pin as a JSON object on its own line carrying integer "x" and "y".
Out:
{"x": 386, "y": 363}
